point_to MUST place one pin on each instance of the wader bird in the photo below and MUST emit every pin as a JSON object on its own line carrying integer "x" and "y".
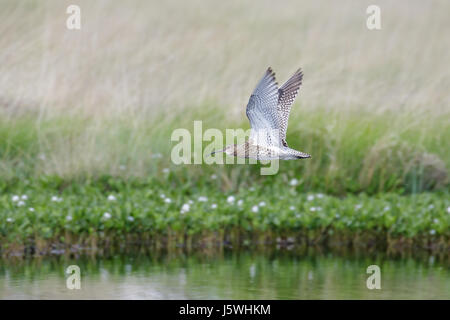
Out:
{"x": 268, "y": 112}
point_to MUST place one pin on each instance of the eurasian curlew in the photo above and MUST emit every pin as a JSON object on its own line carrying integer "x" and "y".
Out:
{"x": 268, "y": 112}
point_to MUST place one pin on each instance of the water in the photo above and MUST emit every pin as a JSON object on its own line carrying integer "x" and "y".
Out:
{"x": 229, "y": 275}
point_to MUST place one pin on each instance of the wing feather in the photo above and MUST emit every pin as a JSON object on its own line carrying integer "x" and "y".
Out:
{"x": 286, "y": 96}
{"x": 262, "y": 111}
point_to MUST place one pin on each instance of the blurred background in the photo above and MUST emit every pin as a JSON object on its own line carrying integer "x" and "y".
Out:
{"x": 373, "y": 109}
{"x": 86, "y": 118}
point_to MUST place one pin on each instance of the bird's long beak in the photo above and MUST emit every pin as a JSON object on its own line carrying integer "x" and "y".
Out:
{"x": 217, "y": 151}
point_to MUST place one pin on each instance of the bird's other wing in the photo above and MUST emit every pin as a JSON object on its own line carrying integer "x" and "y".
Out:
{"x": 286, "y": 96}
{"x": 262, "y": 111}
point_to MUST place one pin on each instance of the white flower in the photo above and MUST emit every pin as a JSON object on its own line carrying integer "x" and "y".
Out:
{"x": 240, "y": 202}
{"x": 255, "y": 209}
{"x": 213, "y": 177}
{"x": 56, "y": 199}
{"x": 15, "y": 198}
{"x": 436, "y": 221}
{"x": 106, "y": 216}
{"x": 292, "y": 208}
{"x": 358, "y": 206}
{"x": 111, "y": 198}
{"x": 162, "y": 195}
{"x": 185, "y": 208}
{"x": 298, "y": 215}
{"x": 320, "y": 195}
{"x": 24, "y": 197}
{"x": 431, "y": 206}
{"x": 432, "y": 232}
{"x": 252, "y": 189}
{"x": 165, "y": 170}
{"x": 214, "y": 206}
{"x": 69, "y": 218}
{"x": 387, "y": 208}
{"x": 448, "y": 209}
{"x": 202, "y": 199}
{"x": 337, "y": 216}
{"x": 9, "y": 219}
{"x": 293, "y": 182}
{"x": 190, "y": 202}
{"x": 231, "y": 199}
{"x": 20, "y": 203}
{"x": 167, "y": 200}
{"x": 312, "y": 209}
{"x": 262, "y": 204}
{"x": 130, "y": 218}
{"x": 31, "y": 209}
{"x": 310, "y": 197}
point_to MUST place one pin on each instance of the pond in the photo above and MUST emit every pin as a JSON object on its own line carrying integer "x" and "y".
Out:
{"x": 243, "y": 274}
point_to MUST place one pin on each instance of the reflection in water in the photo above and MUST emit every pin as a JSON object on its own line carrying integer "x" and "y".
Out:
{"x": 225, "y": 275}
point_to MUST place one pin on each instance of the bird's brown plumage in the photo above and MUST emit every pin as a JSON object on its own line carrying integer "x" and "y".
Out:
{"x": 286, "y": 96}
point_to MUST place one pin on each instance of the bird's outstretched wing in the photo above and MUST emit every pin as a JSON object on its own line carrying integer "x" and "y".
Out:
{"x": 262, "y": 111}
{"x": 286, "y": 96}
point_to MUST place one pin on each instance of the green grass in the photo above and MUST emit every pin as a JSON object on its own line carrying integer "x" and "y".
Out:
{"x": 140, "y": 214}
{"x": 360, "y": 153}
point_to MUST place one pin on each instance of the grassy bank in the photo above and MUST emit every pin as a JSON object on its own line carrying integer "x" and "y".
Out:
{"x": 38, "y": 218}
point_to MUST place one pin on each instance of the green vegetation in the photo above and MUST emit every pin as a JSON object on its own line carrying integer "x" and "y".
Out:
{"x": 357, "y": 155}
{"x": 38, "y": 217}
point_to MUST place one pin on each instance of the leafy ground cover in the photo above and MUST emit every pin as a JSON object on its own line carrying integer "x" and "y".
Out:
{"x": 40, "y": 217}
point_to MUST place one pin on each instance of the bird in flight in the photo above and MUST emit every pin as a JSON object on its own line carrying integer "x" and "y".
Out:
{"x": 268, "y": 112}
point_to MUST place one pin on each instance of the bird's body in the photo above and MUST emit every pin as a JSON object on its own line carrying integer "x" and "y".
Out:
{"x": 262, "y": 152}
{"x": 268, "y": 112}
